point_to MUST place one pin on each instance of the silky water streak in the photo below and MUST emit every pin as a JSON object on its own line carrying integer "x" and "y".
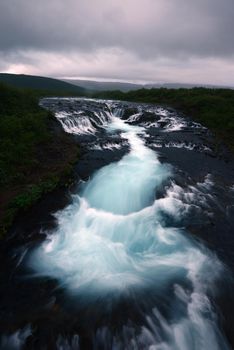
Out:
{"x": 113, "y": 243}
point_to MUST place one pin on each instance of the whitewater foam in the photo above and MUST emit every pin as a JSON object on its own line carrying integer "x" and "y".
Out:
{"x": 113, "y": 242}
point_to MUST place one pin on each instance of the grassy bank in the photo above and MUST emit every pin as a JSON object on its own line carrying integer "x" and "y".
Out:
{"x": 35, "y": 154}
{"x": 213, "y": 108}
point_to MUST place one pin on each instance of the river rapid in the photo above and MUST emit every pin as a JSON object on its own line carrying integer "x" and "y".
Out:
{"x": 142, "y": 255}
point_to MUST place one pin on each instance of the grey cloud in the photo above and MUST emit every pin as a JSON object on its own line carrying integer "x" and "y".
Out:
{"x": 172, "y": 40}
{"x": 147, "y": 28}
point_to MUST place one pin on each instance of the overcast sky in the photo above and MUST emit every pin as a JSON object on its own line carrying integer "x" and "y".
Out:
{"x": 134, "y": 40}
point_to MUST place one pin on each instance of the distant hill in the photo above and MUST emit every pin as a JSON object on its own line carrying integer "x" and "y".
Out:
{"x": 40, "y": 83}
{"x": 84, "y": 87}
{"x": 104, "y": 85}
{"x": 94, "y": 85}
{"x": 184, "y": 86}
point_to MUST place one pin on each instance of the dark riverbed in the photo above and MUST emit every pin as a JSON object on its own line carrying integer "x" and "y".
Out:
{"x": 142, "y": 255}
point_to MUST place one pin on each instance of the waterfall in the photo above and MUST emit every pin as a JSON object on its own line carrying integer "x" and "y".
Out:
{"x": 116, "y": 249}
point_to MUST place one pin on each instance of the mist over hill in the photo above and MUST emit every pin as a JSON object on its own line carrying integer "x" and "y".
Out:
{"x": 94, "y": 85}
{"x": 83, "y": 87}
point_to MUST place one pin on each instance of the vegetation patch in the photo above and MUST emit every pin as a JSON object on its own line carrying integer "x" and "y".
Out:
{"x": 35, "y": 154}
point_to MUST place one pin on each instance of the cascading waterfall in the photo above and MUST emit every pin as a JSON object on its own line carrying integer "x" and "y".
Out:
{"x": 114, "y": 246}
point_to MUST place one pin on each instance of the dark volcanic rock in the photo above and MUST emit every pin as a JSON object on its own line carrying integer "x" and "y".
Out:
{"x": 128, "y": 112}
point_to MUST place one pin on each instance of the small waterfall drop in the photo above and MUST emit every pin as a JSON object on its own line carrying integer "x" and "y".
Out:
{"x": 114, "y": 246}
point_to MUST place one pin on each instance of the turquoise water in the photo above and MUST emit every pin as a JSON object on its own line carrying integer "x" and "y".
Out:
{"x": 113, "y": 243}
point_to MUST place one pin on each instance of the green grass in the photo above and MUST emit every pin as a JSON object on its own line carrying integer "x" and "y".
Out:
{"x": 23, "y": 126}
{"x": 30, "y": 195}
{"x": 32, "y": 159}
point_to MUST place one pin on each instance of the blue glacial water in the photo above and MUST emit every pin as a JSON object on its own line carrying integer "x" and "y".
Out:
{"x": 114, "y": 246}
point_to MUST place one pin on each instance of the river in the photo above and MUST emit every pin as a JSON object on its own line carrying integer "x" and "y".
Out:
{"x": 142, "y": 255}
